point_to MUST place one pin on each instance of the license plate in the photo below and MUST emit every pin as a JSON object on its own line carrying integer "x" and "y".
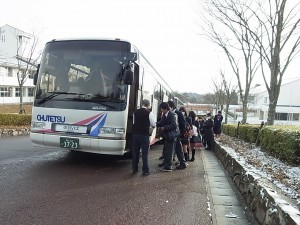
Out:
{"x": 71, "y": 128}
{"x": 69, "y": 143}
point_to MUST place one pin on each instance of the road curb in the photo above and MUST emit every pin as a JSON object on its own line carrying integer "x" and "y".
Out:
{"x": 267, "y": 204}
{"x": 226, "y": 205}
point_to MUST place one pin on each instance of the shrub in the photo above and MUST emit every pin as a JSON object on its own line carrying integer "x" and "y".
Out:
{"x": 15, "y": 120}
{"x": 282, "y": 142}
{"x": 230, "y": 129}
{"x": 248, "y": 133}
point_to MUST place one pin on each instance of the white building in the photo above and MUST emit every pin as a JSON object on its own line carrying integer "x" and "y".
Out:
{"x": 288, "y": 105}
{"x": 11, "y": 41}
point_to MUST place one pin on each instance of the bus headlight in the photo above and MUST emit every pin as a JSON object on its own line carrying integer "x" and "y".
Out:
{"x": 111, "y": 130}
{"x": 39, "y": 125}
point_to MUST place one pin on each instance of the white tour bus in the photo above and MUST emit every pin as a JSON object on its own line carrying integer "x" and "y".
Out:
{"x": 87, "y": 91}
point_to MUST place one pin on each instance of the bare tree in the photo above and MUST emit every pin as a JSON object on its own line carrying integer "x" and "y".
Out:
{"x": 26, "y": 61}
{"x": 226, "y": 22}
{"x": 219, "y": 95}
{"x": 209, "y": 98}
{"x": 229, "y": 90}
{"x": 278, "y": 40}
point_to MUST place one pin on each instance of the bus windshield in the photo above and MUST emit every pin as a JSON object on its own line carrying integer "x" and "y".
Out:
{"x": 83, "y": 75}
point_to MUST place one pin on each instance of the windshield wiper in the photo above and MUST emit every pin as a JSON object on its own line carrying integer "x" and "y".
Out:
{"x": 54, "y": 94}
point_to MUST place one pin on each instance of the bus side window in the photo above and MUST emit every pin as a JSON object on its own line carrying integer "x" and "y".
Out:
{"x": 157, "y": 94}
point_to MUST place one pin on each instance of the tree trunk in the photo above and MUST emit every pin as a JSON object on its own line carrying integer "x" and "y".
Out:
{"x": 226, "y": 112}
{"x": 245, "y": 113}
{"x": 273, "y": 98}
{"x": 22, "y": 110}
{"x": 276, "y": 76}
{"x": 271, "y": 114}
{"x": 245, "y": 108}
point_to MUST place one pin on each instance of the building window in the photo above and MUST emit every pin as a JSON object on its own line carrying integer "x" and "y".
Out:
{"x": 17, "y": 92}
{"x": 30, "y": 92}
{"x": 287, "y": 116}
{"x": 295, "y": 116}
{"x": 10, "y": 72}
{"x": 5, "y": 92}
{"x": 261, "y": 115}
{"x": 281, "y": 116}
{"x": 265, "y": 100}
{"x": 2, "y": 38}
{"x": 30, "y": 75}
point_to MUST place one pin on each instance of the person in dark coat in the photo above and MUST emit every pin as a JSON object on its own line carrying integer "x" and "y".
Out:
{"x": 178, "y": 146}
{"x": 208, "y": 131}
{"x": 218, "y": 124}
{"x": 168, "y": 126}
{"x": 201, "y": 122}
{"x": 185, "y": 139}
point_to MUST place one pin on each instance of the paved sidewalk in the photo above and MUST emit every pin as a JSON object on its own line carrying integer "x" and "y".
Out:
{"x": 213, "y": 186}
{"x": 226, "y": 203}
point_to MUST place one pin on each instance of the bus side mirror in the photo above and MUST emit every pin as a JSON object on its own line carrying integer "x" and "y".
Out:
{"x": 128, "y": 76}
{"x": 36, "y": 74}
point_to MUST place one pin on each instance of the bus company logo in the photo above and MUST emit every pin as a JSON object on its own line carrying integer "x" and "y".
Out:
{"x": 52, "y": 119}
{"x": 99, "y": 108}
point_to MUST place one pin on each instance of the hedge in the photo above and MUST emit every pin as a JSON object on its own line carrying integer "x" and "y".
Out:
{"x": 282, "y": 142}
{"x": 15, "y": 120}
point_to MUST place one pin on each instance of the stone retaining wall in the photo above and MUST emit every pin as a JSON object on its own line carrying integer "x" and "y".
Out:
{"x": 268, "y": 205}
{"x": 5, "y": 132}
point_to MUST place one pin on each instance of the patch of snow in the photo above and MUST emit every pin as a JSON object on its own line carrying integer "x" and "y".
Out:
{"x": 260, "y": 164}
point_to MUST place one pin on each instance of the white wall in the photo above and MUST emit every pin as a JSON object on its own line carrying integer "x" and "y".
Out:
{"x": 8, "y": 51}
{"x": 9, "y": 48}
{"x": 290, "y": 94}
{"x": 288, "y": 100}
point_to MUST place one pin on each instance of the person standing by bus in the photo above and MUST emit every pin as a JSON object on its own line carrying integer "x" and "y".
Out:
{"x": 185, "y": 139}
{"x": 208, "y": 132}
{"x": 168, "y": 126}
{"x": 201, "y": 122}
{"x": 143, "y": 118}
{"x": 178, "y": 145}
{"x": 218, "y": 124}
{"x": 196, "y": 131}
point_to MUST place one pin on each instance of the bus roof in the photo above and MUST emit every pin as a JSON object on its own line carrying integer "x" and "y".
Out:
{"x": 89, "y": 38}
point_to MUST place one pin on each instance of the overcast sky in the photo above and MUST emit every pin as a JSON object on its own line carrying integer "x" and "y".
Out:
{"x": 165, "y": 31}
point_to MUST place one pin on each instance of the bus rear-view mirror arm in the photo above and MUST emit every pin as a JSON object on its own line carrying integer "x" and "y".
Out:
{"x": 36, "y": 74}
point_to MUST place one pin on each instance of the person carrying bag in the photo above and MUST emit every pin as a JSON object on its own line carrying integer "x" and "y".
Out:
{"x": 195, "y": 141}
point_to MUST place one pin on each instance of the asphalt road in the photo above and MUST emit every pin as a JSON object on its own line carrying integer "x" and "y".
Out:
{"x": 39, "y": 186}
